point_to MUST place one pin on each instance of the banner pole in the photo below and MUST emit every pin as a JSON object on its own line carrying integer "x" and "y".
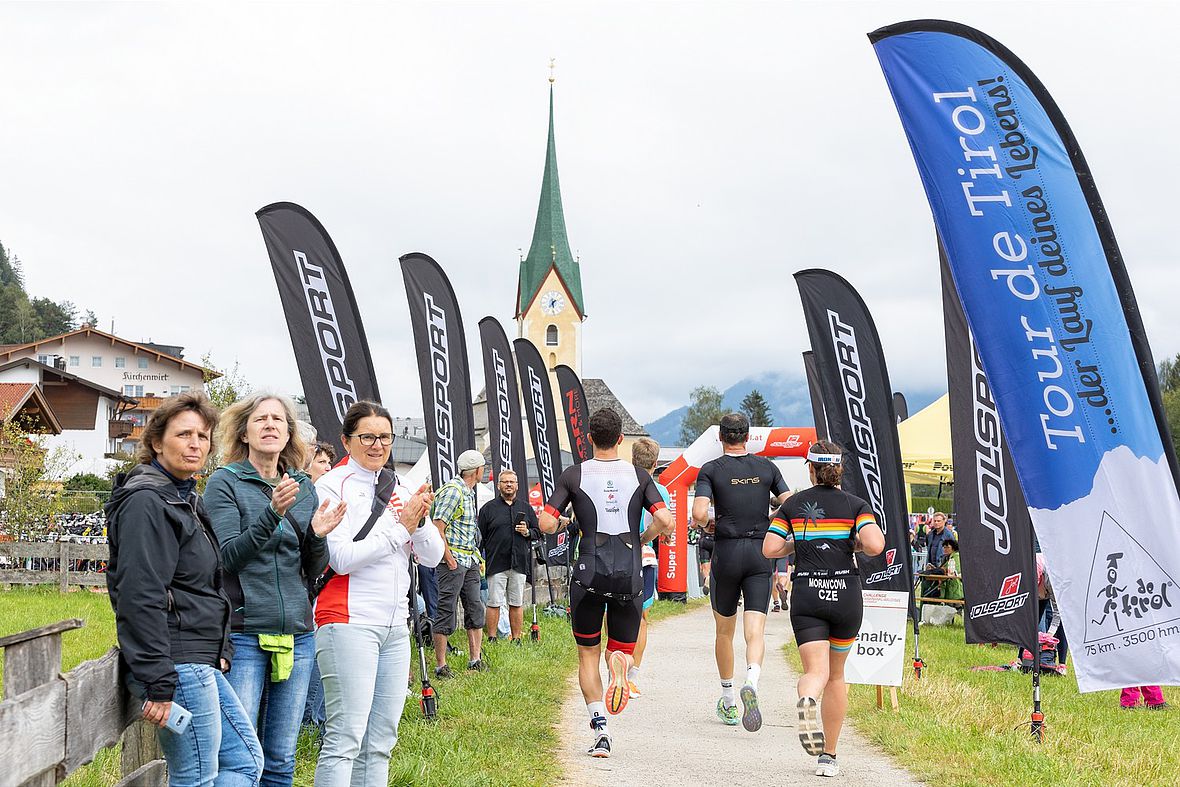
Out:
{"x": 429, "y": 700}
{"x": 1037, "y": 721}
{"x": 919, "y": 665}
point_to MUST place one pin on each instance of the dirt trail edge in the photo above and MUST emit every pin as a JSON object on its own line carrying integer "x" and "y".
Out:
{"x": 671, "y": 735}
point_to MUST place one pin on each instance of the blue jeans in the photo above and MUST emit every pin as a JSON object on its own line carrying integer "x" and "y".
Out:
{"x": 219, "y": 748}
{"x": 428, "y": 587}
{"x": 282, "y": 711}
{"x": 366, "y": 670}
{"x": 313, "y": 712}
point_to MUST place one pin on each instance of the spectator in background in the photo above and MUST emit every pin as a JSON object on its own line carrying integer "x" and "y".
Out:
{"x": 645, "y": 452}
{"x": 454, "y": 514}
{"x": 937, "y": 534}
{"x": 507, "y": 527}
{"x": 951, "y": 588}
{"x": 323, "y": 456}
{"x": 1050, "y": 611}
{"x": 165, "y": 570}
{"x": 271, "y": 529}
{"x": 1153, "y": 698}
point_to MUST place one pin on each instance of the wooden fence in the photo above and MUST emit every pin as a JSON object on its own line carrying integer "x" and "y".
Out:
{"x": 52, "y": 724}
{"x": 65, "y": 554}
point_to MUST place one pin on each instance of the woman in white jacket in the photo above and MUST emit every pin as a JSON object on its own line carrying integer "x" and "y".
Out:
{"x": 362, "y": 635}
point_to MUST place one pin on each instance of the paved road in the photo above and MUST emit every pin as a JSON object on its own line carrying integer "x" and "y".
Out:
{"x": 671, "y": 736}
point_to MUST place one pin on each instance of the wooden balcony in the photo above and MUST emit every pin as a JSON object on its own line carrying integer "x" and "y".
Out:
{"x": 118, "y": 429}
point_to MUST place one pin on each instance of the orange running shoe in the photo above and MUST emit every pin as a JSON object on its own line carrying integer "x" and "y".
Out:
{"x": 617, "y": 692}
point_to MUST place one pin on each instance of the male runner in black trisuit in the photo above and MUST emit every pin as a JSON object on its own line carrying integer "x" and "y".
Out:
{"x": 609, "y": 497}
{"x": 823, "y": 526}
{"x": 740, "y": 488}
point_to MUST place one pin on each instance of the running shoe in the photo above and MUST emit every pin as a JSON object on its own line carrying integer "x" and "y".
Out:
{"x": 443, "y": 672}
{"x": 751, "y": 716}
{"x": 811, "y": 733}
{"x": 601, "y": 747}
{"x": 477, "y": 666}
{"x": 727, "y": 713}
{"x": 617, "y": 692}
{"x": 776, "y": 607}
{"x": 633, "y": 689}
{"x": 827, "y": 766}
{"x": 1158, "y": 706}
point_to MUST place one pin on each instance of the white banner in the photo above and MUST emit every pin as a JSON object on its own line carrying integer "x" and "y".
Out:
{"x": 878, "y": 655}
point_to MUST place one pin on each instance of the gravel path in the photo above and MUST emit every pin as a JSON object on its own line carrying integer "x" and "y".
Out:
{"x": 671, "y": 736}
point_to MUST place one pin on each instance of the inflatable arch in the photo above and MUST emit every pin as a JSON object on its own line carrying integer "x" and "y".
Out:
{"x": 769, "y": 441}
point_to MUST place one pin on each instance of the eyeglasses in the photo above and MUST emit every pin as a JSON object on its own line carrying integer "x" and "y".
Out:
{"x": 370, "y": 439}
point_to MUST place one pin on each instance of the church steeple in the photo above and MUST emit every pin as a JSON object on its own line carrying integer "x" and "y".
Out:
{"x": 550, "y": 249}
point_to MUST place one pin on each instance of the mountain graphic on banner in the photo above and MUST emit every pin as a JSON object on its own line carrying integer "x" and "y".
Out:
{"x": 1126, "y": 586}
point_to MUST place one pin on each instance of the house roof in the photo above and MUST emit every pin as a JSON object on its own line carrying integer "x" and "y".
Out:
{"x": 29, "y": 363}
{"x": 8, "y": 350}
{"x": 18, "y": 397}
{"x": 407, "y": 449}
{"x": 599, "y": 395}
{"x": 550, "y": 247}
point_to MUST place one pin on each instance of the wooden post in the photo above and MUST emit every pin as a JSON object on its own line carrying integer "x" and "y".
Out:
{"x": 140, "y": 747}
{"x": 63, "y": 564}
{"x": 892, "y": 698}
{"x": 31, "y": 660}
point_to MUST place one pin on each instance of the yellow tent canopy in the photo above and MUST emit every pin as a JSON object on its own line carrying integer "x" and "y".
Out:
{"x": 925, "y": 439}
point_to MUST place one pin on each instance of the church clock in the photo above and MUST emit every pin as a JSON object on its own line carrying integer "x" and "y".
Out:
{"x": 552, "y": 302}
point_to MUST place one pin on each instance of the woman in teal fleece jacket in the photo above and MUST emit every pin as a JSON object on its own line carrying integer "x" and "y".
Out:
{"x": 271, "y": 530}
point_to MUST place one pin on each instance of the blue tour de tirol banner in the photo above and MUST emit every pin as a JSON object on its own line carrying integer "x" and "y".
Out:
{"x": 1051, "y": 308}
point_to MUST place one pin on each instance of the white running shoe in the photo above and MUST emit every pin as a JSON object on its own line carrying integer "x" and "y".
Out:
{"x": 827, "y": 766}
{"x": 601, "y": 747}
{"x": 811, "y": 732}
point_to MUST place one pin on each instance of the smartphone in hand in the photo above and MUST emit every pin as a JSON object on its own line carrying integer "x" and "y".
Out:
{"x": 178, "y": 718}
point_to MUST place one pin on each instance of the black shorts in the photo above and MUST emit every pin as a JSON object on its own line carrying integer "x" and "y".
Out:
{"x": 739, "y": 568}
{"x": 622, "y": 619}
{"x": 827, "y": 608}
{"x": 705, "y": 548}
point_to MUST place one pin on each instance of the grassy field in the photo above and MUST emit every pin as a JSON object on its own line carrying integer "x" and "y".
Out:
{"x": 958, "y": 727}
{"x": 496, "y": 727}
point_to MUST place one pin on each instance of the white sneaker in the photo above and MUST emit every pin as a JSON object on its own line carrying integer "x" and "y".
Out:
{"x": 811, "y": 732}
{"x": 601, "y": 747}
{"x": 827, "y": 766}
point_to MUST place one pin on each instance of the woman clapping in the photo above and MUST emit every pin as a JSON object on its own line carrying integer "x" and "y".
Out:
{"x": 362, "y": 636}
{"x": 271, "y": 528}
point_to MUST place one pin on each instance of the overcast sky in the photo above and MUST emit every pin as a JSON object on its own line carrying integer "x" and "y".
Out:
{"x": 707, "y": 151}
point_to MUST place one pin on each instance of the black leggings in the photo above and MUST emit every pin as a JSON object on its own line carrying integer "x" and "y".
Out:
{"x": 828, "y": 608}
{"x": 622, "y": 619}
{"x": 739, "y": 568}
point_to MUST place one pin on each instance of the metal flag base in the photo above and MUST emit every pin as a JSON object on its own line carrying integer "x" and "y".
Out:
{"x": 429, "y": 701}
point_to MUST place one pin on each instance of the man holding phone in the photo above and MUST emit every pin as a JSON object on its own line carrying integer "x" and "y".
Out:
{"x": 507, "y": 525}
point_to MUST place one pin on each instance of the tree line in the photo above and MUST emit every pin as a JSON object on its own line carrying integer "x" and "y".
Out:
{"x": 25, "y": 319}
{"x": 704, "y": 410}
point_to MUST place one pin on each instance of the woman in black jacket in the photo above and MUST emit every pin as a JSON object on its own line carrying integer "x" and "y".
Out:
{"x": 171, "y": 613}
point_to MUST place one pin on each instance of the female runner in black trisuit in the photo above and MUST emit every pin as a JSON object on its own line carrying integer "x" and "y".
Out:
{"x": 823, "y": 526}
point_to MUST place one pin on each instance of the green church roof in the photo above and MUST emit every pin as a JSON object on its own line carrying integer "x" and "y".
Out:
{"x": 551, "y": 247}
